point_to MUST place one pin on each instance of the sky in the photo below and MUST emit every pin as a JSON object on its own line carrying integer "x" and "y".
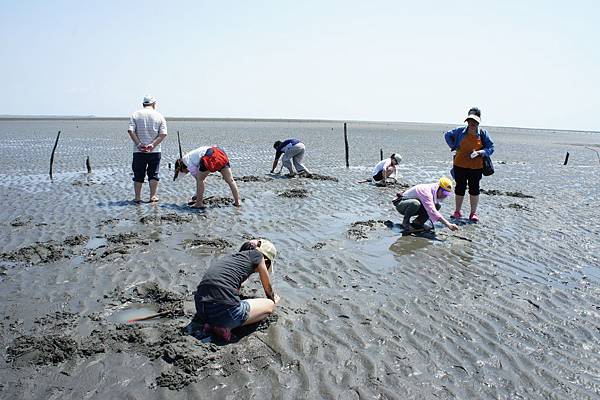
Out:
{"x": 525, "y": 63}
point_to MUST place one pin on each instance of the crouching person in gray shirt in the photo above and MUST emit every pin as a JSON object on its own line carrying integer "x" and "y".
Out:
{"x": 217, "y": 298}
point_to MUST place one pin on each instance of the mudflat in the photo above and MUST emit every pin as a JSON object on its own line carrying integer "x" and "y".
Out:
{"x": 505, "y": 308}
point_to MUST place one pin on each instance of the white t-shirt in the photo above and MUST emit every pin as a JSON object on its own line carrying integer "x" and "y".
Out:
{"x": 147, "y": 124}
{"x": 192, "y": 159}
{"x": 381, "y": 165}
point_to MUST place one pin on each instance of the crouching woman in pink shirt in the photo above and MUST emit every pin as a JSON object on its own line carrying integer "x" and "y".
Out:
{"x": 423, "y": 202}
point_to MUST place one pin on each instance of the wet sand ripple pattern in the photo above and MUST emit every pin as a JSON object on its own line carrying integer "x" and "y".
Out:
{"x": 512, "y": 312}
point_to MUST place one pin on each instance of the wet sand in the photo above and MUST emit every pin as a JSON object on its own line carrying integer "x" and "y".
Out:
{"x": 506, "y": 308}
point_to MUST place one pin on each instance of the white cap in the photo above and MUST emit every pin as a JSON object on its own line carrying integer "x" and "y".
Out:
{"x": 474, "y": 117}
{"x": 149, "y": 99}
{"x": 398, "y": 158}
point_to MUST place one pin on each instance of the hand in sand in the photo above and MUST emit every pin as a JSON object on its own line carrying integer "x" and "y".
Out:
{"x": 453, "y": 227}
{"x": 276, "y": 298}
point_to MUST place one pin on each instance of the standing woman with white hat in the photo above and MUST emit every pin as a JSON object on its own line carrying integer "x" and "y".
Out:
{"x": 386, "y": 168}
{"x": 471, "y": 144}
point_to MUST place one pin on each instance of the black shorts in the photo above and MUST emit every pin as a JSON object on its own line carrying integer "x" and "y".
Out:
{"x": 145, "y": 164}
{"x": 467, "y": 177}
{"x": 378, "y": 177}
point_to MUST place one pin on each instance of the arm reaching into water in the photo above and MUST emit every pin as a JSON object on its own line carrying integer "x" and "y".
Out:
{"x": 266, "y": 281}
{"x": 276, "y": 161}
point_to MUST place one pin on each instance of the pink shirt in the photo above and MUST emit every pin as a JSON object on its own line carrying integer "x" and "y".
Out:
{"x": 426, "y": 193}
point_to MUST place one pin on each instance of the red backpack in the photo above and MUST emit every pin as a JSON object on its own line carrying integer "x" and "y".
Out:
{"x": 215, "y": 159}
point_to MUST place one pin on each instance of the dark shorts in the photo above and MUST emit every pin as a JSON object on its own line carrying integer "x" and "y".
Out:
{"x": 145, "y": 164}
{"x": 223, "y": 315}
{"x": 203, "y": 168}
{"x": 378, "y": 177}
{"x": 467, "y": 177}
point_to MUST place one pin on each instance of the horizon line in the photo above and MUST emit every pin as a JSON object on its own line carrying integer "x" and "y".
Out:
{"x": 24, "y": 117}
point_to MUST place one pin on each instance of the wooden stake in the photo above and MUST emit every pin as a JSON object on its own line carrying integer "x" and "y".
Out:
{"x": 380, "y": 154}
{"x": 179, "y": 141}
{"x": 346, "y": 145}
{"x": 52, "y": 156}
{"x": 88, "y": 165}
{"x": 566, "y": 158}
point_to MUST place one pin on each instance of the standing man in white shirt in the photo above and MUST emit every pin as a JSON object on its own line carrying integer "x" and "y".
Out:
{"x": 147, "y": 128}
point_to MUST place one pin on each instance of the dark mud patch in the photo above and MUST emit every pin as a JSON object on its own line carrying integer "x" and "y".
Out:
{"x": 398, "y": 185}
{"x": 82, "y": 183}
{"x": 188, "y": 359}
{"x": 170, "y": 218}
{"x": 319, "y": 177}
{"x": 492, "y": 192}
{"x": 294, "y": 193}
{"x": 109, "y": 221}
{"x": 21, "y": 221}
{"x": 62, "y": 321}
{"x": 31, "y": 350}
{"x": 121, "y": 244}
{"x": 516, "y": 206}
{"x": 126, "y": 238}
{"x": 392, "y": 184}
{"x": 519, "y": 195}
{"x": 76, "y": 240}
{"x": 164, "y": 299}
{"x": 495, "y": 192}
{"x": 38, "y": 253}
{"x": 149, "y": 293}
{"x": 253, "y": 178}
{"x": 359, "y": 230}
{"x": 45, "y": 252}
{"x": 217, "y": 201}
{"x": 216, "y": 243}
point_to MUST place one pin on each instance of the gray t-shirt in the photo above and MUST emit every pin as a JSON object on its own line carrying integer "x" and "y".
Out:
{"x": 222, "y": 282}
{"x": 147, "y": 123}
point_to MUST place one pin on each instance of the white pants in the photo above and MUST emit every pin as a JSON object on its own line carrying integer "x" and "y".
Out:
{"x": 292, "y": 159}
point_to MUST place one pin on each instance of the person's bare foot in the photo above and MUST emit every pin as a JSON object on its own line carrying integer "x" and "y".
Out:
{"x": 153, "y": 199}
{"x": 198, "y": 206}
{"x": 137, "y": 201}
{"x": 237, "y": 204}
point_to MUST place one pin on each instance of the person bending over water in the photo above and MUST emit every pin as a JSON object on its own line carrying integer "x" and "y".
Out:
{"x": 293, "y": 152}
{"x": 200, "y": 163}
{"x": 423, "y": 201}
{"x": 217, "y": 298}
{"x": 386, "y": 168}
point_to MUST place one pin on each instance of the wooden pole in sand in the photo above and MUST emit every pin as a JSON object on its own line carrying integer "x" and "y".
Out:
{"x": 346, "y": 145}
{"x": 380, "y": 154}
{"x": 179, "y": 141}
{"x": 566, "y": 158}
{"x": 88, "y": 165}
{"x": 52, "y": 156}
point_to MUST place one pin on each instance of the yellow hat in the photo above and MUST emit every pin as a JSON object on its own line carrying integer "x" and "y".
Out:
{"x": 446, "y": 184}
{"x": 268, "y": 250}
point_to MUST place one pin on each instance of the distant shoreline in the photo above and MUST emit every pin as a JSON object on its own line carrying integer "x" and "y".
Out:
{"x": 290, "y": 120}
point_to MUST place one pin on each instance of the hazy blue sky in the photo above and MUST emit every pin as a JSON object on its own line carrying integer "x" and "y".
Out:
{"x": 524, "y": 63}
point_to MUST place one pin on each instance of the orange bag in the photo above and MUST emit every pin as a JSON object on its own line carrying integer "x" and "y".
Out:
{"x": 215, "y": 159}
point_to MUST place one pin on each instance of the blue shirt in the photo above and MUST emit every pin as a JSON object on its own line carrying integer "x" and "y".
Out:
{"x": 455, "y": 136}
{"x": 291, "y": 141}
